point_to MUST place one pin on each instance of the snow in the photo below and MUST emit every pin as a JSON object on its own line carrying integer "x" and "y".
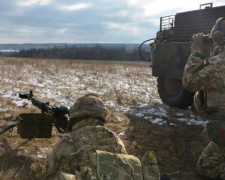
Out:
{"x": 158, "y": 121}
{"x": 139, "y": 114}
{"x": 65, "y": 85}
{"x": 41, "y": 156}
{"x": 20, "y": 103}
{"x": 3, "y": 109}
{"x": 43, "y": 149}
{"x": 122, "y": 134}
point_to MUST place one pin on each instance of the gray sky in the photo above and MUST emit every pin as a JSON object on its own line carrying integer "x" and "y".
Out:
{"x": 87, "y": 21}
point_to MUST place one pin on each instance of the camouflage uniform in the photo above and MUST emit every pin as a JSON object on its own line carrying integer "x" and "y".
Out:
{"x": 92, "y": 151}
{"x": 208, "y": 75}
{"x": 211, "y": 162}
{"x": 211, "y": 77}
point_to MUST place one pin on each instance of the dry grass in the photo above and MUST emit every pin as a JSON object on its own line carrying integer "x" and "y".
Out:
{"x": 177, "y": 148}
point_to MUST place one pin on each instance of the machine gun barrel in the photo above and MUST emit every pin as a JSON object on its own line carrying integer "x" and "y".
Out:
{"x": 44, "y": 107}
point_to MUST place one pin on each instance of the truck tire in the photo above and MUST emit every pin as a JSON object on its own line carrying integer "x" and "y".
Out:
{"x": 173, "y": 93}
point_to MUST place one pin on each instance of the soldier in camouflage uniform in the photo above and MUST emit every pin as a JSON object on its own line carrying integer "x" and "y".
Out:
{"x": 206, "y": 77}
{"x": 92, "y": 151}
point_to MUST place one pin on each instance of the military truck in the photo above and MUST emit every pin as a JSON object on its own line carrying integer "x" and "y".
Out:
{"x": 171, "y": 48}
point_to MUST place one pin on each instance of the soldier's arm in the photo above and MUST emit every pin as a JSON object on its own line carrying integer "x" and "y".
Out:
{"x": 189, "y": 79}
{"x": 199, "y": 71}
{"x": 61, "y": 150}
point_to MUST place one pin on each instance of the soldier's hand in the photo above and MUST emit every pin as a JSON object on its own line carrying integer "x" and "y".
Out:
{"x": 197, "y": 44}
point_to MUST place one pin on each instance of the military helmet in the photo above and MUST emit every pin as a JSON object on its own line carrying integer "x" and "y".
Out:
{"x": 89, "y": 105}
{"x": 218, "y": 30}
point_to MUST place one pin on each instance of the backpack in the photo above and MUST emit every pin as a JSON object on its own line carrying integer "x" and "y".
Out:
{"x": 111, "y": 166}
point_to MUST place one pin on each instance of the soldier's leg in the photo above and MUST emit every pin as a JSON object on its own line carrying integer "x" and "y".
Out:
{"x": 211, "y": 162}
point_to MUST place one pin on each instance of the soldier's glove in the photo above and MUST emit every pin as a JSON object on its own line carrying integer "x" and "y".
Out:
{"x": 197, "y": 44}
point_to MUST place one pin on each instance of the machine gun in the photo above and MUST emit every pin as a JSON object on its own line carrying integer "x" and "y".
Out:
{"x": 39, "y": 125}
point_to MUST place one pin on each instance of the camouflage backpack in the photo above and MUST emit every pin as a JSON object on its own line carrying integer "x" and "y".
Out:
{"x": 111, "y": 166}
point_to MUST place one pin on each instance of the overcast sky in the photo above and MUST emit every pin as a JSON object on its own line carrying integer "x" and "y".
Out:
{"x": 87, "y": 21}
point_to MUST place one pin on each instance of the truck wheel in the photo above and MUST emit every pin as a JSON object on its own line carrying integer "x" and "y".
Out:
{"x": 172, "y": 92}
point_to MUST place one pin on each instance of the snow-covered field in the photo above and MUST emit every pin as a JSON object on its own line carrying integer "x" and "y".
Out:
{"x": 128, "y": 90}
{"x": 125, "y": 87}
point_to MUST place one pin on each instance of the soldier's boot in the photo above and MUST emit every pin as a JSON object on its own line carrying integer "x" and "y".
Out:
{"x": 150, "y": 167}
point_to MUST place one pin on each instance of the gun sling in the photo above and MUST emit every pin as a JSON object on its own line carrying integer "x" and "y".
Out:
{"x": 9, "y": 125}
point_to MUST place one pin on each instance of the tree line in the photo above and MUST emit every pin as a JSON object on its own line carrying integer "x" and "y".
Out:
{"x": 123, "y": 53}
